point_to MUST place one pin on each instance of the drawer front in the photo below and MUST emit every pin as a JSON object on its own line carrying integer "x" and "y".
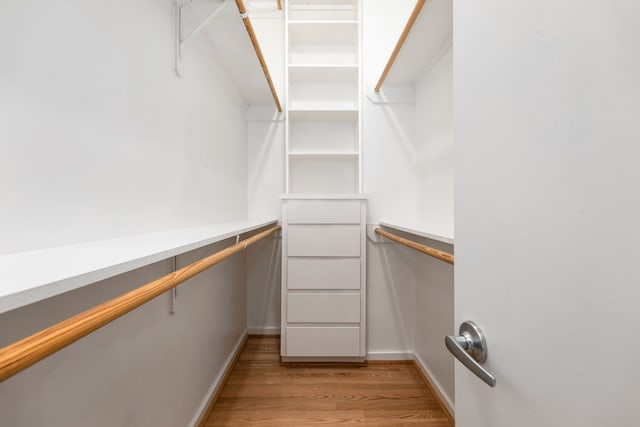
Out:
{"x": 323, "y": 307}
{"x": 323, "y": 212}
{"x": 323, "y": 273}
{"x": 339, "y": 341}
{"x": 327, "y": 240}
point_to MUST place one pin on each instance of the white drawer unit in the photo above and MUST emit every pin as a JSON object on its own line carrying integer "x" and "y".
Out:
{"x": 315, "y": 342}
{"x": 323, "y": 240}
{"x": 323, "y": 273}
{"x": 323, "y": 212}
{"x": 323, "y": 307}
{"x": 323, "y": 278}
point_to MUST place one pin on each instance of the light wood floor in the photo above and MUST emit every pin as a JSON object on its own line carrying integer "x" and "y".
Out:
{"x": 261, "y": 391}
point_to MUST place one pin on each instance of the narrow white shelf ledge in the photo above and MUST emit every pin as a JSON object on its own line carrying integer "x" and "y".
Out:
{"x": 28, "y": 277}
{"x": 320, "y": 105}
{"x": 327, "y": 196}
{"x": 318, "y": 154}
{"x": 323, "y": 32}
{"x": 323, "y": 21}
{"x": 316, "y": 115}
{"x": 439, "y": 232}
{"x": 323, "y": 75}
{"x": 429, "y": 39}
{"x": 323, "y": 66}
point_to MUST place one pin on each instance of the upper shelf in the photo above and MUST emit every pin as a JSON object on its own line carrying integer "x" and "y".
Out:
{"x": 29, "y": 277}
{"x": 325, "y": 10}
{"x": 440, "y": 232}
{"x": 235, "y": 43}
{"x": 426, "y": 36}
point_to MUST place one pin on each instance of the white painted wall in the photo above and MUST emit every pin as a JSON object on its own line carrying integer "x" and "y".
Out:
{"x": 148, "y": 368}
{"x": 265, "y": 162}
{"x": 434, "y": 318}
{"x": 99, "y": 137}
{"x": 409, "y": 174}
{"x": 434, "y": 145}
{"x": 390, "y": 181}
{"x": 265, "y": 127}
{"x": 264, "y": 280}
{"x": 434, "y": 198}
{"x": 391, "y": 307}
{"x": 266, "y": 175}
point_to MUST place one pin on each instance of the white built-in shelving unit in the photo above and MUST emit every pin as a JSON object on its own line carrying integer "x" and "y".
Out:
{"x": 323, "y": 96}
{"x": 324, "y": 212}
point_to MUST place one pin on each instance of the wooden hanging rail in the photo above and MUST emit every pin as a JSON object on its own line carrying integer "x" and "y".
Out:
{"x": 403, "y": 37}
{"x": 24, "y": 353}
{"x": 441, "y": 255}
{"x": 256, "y": 46}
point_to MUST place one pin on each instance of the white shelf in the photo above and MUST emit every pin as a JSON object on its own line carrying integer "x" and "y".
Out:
{"x": 323, "y": 43}
{"x": 323, "y": 33}
{"x": 319, "y": 113}
{"x": 228, "y": 37}
{"x": 320, "y": 154}
{"x": 323, "y": 22}
{"x": 323, "y": 174}
{"x": 306, "y": 74}
{"x": 323, "y": 132}
{"x": 313, "y": 102}
{"x": 323, "y": 82}
{"x": 430, "y": 37}
{"x": 332, "y": 87}
{"x": 29, "y": 277}
{"x": 323, "y": 67}
{"x": 440, "y": 232}
{"x": 323, "y": 9}
{"x": 318, "y": 196}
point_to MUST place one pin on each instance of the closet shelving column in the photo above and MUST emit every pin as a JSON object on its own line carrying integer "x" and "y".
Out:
{"x": 324, "y": 212}
{"x": 323, "y": 96}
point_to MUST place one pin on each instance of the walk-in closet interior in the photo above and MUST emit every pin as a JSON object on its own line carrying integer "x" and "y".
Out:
{"x": 181, "y": 176}
{"x": 144, "y": 136}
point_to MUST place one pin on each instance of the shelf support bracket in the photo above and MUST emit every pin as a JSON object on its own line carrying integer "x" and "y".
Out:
{"x": 174, "y": 291}
{"x": 180, "y": 40}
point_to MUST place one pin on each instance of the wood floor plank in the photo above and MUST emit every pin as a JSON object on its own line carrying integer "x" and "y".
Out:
{"x": 262, "y": 391}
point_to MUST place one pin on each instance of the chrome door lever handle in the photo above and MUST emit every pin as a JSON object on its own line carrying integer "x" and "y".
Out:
{"x": 470, "y": 348}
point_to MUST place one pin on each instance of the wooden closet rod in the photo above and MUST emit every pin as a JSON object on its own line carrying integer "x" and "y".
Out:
{"x": 403, "y": 37}
{"x": 24, "y": 353}
{"x": 256, "y": 47}
{"x": 442, "y": 256}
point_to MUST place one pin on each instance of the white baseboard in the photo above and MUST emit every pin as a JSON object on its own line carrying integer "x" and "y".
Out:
{"x": 269, "y": 330}
{"x": 217, "y": 383}
{"x": 390, "y": 356}
{"x": 437, "y": 387}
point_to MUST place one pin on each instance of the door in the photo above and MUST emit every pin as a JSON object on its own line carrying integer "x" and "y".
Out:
{"x": 547, "y": 135}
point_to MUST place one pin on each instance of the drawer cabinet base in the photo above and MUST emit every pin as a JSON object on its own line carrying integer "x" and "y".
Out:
{"x": 310, "y": 341}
